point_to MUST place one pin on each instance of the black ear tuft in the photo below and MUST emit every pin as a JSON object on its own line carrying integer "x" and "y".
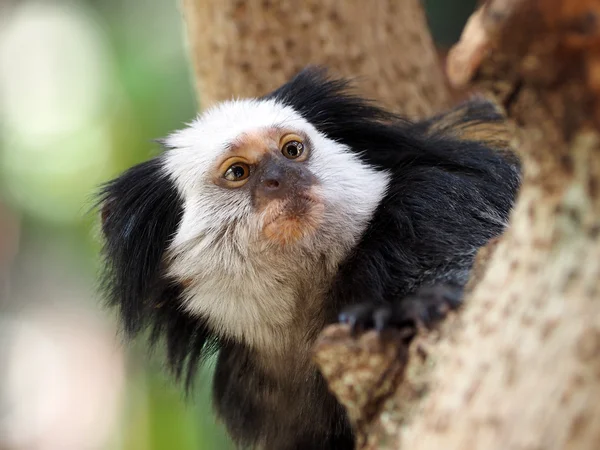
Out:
{"x": 141, "y": 211}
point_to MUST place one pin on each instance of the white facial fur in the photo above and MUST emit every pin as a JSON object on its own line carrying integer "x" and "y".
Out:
{"x": 246, "y": 287}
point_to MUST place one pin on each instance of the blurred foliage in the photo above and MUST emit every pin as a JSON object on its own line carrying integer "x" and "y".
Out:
{"x": 103, "y": 79}
{"x": 447, "y": 18}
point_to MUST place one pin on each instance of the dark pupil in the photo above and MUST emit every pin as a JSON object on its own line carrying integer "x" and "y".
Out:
{"x": 238, "y": 171}
{"x": 292, "y": 150}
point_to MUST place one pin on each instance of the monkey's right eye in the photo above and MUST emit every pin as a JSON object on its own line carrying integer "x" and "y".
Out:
{"x": 237, "y": 172}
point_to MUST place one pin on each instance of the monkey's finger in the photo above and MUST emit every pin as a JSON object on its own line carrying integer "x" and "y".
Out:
{"x": 382, "y": 317}
{"x": 359, "y": 316}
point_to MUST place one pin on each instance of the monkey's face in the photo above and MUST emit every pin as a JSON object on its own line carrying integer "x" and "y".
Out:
{"x": 269, "y": 204}
{"x": 271, "y": 165}
{"x": 256, "y": 177}
{"x": 245, "y": 211}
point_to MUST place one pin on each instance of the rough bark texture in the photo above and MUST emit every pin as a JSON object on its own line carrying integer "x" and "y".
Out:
{"x": 247, "y": 48}
{"x": 370, "y": 375}
{"x": 519, "y": 367}
{"x": 367, "y": 371}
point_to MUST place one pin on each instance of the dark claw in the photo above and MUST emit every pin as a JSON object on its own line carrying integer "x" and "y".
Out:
{"x": 358, "y": 316}
{"x": 382, "y": 317}
{"x": 454, "y": 296}
{"x": 425, "y": 308}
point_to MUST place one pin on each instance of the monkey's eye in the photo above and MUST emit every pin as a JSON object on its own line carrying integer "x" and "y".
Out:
{"x": 292, "y": 148}
{"x": 237, "y": 172}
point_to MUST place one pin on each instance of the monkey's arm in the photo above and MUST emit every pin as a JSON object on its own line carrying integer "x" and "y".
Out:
{"x": 415, "y": 257}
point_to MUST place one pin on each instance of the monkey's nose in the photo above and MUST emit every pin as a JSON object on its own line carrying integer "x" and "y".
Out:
{"x": 277, "y": 180}
{"x": 271, "y": 184}
{"x": 274, "y": 185}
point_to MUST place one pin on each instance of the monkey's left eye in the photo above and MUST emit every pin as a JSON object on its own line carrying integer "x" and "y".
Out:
{"x": 292, "y": 149}
{"x": 237, "y": 172}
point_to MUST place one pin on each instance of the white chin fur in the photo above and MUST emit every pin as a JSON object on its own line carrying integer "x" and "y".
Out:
{"x": 246, "y": 289}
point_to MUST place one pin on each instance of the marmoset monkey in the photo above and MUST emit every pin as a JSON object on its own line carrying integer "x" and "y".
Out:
{"x": 266, "y": 219}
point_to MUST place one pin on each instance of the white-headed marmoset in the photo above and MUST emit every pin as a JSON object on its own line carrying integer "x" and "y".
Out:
{"x": 266, "y": 219}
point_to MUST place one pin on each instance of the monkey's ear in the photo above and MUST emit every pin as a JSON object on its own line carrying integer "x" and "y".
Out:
{"x": 140, "y": 213}
{"x": 477, "y": 119}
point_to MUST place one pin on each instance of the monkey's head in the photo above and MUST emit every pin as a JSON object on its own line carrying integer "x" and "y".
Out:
{"x": 247, "y": 206}
{"x": 257, "y": 180}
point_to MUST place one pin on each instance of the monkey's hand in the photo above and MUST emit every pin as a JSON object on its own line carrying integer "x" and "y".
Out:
{"x": 424, "y": 308}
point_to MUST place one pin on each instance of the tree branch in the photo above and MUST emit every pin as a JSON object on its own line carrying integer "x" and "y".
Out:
{"x": 247, "y": 48}
{"x": 519, "y": 368}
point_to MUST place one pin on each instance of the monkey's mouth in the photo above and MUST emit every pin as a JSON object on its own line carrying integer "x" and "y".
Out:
{"x": 287, "y": 221}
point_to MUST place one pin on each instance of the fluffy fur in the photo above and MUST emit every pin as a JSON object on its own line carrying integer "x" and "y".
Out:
{"x": 245, "y": 286}
{"x": 402, "y": 206}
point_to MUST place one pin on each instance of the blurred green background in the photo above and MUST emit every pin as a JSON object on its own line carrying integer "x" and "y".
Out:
{"x": 85, "y": 86}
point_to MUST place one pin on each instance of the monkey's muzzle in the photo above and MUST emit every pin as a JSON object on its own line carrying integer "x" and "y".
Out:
{"x": 287, "y": 194}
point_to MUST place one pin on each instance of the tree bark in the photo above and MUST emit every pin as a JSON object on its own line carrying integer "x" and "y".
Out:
{"x": 247, "y": 48}
{"x": 519, "y": 368}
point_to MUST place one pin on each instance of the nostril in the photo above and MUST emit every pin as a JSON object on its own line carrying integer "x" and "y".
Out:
{"x": 271, "y": 184}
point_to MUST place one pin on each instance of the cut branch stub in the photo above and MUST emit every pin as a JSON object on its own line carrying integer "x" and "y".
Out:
{"x": 508, "y": 44}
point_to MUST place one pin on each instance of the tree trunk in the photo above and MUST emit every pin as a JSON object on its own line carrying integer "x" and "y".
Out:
{"x": 247, "y": 48}
{"x": 520, "y": 367}
{"x": 524, "y": 370}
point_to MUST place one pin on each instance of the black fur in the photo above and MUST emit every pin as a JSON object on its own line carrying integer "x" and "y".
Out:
{"x": 290, "y": 414}
{"x": 424, "y": 308}
{"x": 447, "y": 198}
{"x": 141, "y": 211}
